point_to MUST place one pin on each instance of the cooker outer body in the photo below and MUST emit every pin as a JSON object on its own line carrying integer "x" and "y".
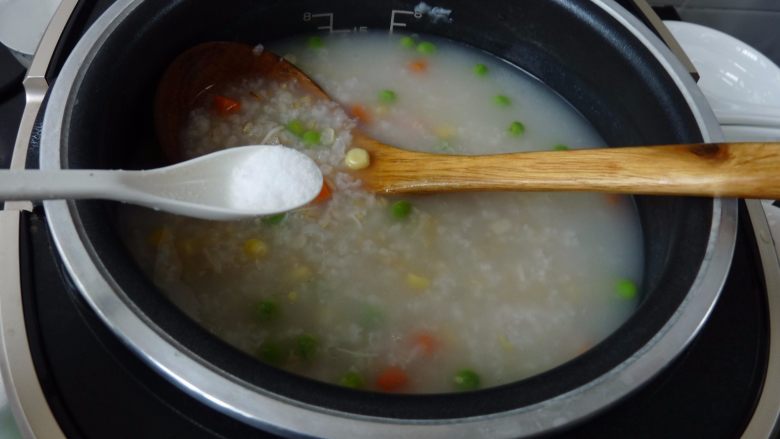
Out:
{"x": 610, "y": 68}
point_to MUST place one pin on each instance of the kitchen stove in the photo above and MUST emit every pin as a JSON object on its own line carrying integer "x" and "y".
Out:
{"x": 89, "y": 385}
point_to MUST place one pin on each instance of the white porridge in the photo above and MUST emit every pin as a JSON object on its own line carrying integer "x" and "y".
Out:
{"x": 413, "y": 294}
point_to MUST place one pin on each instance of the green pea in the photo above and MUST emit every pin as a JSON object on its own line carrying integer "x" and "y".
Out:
{"x": 273, "y": 220}
{"x": 296, "y": 127}
{"x": 426, "y": 48}
{"x": 311, "y": 138}
{"x": 502, "y": 101}
{"x": 387, "y": 96}
{"x": 480, "y": 70}
{"x": 371, "y": 317}
{"x": 352, "y": 380}
{"x": 445, "y": 146}
{"x": 516, "y": 128}
{"x": 315, "y": 42}
{"x": 407, "y": 42}
{"x": 560, "y": 147}
{"x": 401, "y": 209}
{"x": 306, "y": 347}
{"x": 267, "y": 310}
{"x": 271, "y": 353}
{"x": 466, "y": 379}
{"x": 626, "y": 289}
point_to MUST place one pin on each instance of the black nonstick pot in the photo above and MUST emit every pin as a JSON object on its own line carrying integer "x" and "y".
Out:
{"x": 593, "y": 53}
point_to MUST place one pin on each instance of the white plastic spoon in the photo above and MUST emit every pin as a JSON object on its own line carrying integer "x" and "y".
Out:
{"x": 230, "y": 184}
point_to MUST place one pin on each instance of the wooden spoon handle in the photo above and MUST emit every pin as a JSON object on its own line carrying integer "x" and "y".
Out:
{"x": 745, "y": 170}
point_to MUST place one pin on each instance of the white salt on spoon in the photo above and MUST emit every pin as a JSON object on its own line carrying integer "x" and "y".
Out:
{"x": 234, "y": 183}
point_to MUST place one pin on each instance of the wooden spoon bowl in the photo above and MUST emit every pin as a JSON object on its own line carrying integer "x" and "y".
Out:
{"x": 747, "y": 170}
{"x": 195, "y": 76}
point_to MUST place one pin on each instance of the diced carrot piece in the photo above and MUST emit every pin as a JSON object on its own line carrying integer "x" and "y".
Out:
{"x": 156, "y": 236}
{"x": 325, "y": 193}
{"x": 612, "y": 199}
{"x": 418, "y": 66}
{"x": 226, "y": 106}
{"x": 585, "y": 347}
{"x": 425, "y": 341}
{"x": 392, "y": 379}
{"x": 361, "y": 113}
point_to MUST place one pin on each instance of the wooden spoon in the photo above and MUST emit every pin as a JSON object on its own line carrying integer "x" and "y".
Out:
{"x": 746, "y": 170}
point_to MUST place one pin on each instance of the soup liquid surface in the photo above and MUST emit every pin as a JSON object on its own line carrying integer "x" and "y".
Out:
{"x": 416, "y": 294}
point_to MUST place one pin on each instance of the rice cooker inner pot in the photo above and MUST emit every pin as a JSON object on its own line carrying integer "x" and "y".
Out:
{"x": 576, "y": 48}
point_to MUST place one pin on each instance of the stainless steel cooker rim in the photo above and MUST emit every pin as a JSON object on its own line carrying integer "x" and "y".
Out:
{"x": 278, "y": 413}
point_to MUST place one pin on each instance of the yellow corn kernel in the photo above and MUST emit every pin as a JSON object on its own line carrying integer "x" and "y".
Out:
{"x": 187, "y": 246}
{"x": 447, "y": 335}
{"x": 505, "y": 343}
{"x": 417, "y": 282}
{"x": 156, "y": 236}
{"x": 255, "y": 248}
{"x": 301, "y": 273}
{"x": 444, "y": 132}
{"x": 430, "y": 229}
{"x": 326, "y": 316}
{"x": 380, "y": 110}
{"x": 357, "y": 158}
